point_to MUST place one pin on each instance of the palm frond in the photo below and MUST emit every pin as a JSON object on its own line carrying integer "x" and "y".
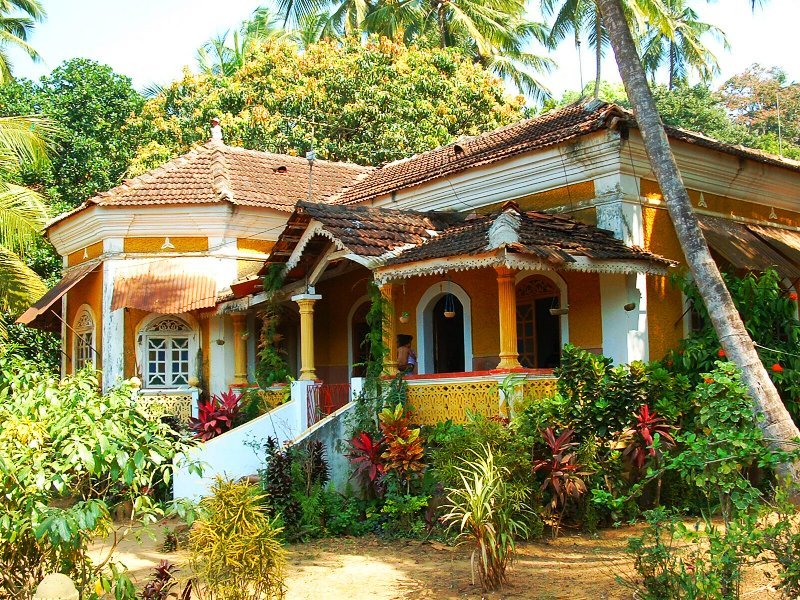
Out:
{"x": 26, "y": 140}
{"x": 20, "y": 286}
{"x": 23, "y": 213}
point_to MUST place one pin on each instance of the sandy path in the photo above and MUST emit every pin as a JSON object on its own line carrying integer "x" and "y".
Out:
{"x": 574, "y": 567}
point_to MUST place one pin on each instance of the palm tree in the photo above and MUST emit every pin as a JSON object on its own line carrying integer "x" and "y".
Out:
{"x": 777, "y": 425}
{"x": 578, "y": 17}
{"x": 681, "y": 48}
{"x": 17, "y": 19}
{"x": 23, "y": 141}
{"x": 494, "y": 33}
{"x": 229, "y": 52}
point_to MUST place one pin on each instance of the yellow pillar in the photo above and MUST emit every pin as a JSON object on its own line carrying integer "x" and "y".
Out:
{"x": 389, "y": 331}
{"x": 306, "y": 304}
{"x": 239, "y": 350}
{"x": 507, "y": 298}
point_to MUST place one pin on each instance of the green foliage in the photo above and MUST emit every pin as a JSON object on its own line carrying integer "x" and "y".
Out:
{"x": 599, "y": 400}
{"x": 769, "y": 315}
{"x": 404, "y": 515}
{"x": 67, "y": 454}
{"x": 271, "y": 367}
{"x": 488, "y": 515}
{"x": 90, "y": 104}
{"x": 365, "y": 102}
{"x": 235, "y": 547}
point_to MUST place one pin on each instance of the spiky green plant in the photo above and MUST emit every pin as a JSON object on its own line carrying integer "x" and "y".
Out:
{"x": 489, "y": 516}
{"x": 236, "y": 551}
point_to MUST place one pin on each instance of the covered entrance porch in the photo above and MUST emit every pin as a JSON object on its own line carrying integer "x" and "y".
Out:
{"x": 483, "y": 298}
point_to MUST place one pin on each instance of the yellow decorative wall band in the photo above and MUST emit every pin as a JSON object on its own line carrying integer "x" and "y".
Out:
{"x": 176, "y": 405}
{"x": 437, "y": 402}
{"x": 154, "y": 244}
{"x": 536, "y": 389}
{"x": 88, "y": 253}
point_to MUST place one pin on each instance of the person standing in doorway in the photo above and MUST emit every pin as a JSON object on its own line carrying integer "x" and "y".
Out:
{"x": 406, "y": 357}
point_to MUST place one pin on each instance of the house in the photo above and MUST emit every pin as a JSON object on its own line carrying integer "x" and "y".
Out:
{"x": 493, "y": 251}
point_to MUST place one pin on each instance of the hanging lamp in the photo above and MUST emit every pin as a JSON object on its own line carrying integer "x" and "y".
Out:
{"x": 449, "y": 303}
{"x": 404, "y": 318}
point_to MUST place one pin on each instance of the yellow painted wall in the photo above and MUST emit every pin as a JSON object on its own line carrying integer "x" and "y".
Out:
{"x": 88, "y": 253}
{"x": 585, "y": 318}
{"x": 664, "y": 300}
{"x": 331, "y": 332}
{"x": 560, "y": 196}
{"x": 153, "y": 244}
{"x": 256, "y": 246}
{"x": 726, "y": 206}
{"x": 132, "y": 320}
{"x": 339, "y": 296}
{"x": 88, "y": 291}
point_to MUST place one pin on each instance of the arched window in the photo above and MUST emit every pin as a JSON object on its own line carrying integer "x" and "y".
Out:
{"x": 168, "y": 351}
{"x": 538, "y": 331}
{"x": 83, "y": 352}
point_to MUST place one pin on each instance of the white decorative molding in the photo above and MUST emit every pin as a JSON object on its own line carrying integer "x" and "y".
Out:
{"x": 441, "y": 266}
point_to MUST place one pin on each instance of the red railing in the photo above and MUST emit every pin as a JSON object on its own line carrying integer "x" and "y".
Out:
{"x": 325, "y": 399}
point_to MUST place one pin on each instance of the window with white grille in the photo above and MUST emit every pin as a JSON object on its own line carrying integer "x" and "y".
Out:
{"x": 83, "y": 352}
{"x": 167, "y": 352}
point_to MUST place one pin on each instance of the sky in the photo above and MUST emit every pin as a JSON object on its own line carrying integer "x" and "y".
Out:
{"x": 152, "y": 40}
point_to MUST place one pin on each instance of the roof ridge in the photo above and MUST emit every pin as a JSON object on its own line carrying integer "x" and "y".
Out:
{"x": 219, "y": 172}
{"x": 340, "y": 163}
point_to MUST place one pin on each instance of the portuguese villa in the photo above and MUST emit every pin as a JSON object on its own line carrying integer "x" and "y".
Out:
{"x": 493, "y": 252}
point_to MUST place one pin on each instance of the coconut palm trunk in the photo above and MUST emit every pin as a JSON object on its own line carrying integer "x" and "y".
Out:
{"x": 598, "y": 51}
{"x": 777, "y": 424}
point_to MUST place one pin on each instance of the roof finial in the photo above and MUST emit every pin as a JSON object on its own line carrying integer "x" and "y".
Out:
{"x": 216, "y": 131}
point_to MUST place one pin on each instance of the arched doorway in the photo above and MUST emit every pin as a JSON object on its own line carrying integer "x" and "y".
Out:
{"x": 359, "y": 345}
{"x": 444, "y": 345}
{"x": 448, "y": 335}
{"x": 538, "y": 331}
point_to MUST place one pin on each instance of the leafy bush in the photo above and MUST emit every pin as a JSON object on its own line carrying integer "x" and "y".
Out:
{"x": 235, "y": 548}
{"x": 215, "y": 416}
{"x": 562, "y": 474}
{"x": 403, "y": 452}
{"x": 487, "y": 514}
{"x": 769, "y": 312}
{"x": 365, "y": 456}
{"x": 67, "y": 453}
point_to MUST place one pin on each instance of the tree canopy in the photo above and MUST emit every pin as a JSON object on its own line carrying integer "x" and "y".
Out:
{"x": 90, "y": 104}
{"x": 363, "y": 102}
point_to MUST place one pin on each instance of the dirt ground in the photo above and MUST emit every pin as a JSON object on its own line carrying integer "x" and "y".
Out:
{"x": 572, "y": 567}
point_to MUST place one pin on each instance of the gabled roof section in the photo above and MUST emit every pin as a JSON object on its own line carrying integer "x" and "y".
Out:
{"x": 553, "y": 239}
{"x": 558, "y": 126}
{"x": 215, "y": 172}
{"x": 551, "y": 128}
{"x": 360, "y": 230}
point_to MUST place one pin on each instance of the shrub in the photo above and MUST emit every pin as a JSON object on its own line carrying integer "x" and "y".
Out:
{"x": 403, "y": 452}
{"x": 489, "y": 517}
{"x": 235, "y": 548}
{"x": 562, "y": 474}
{"x": 215, "y": 416}
{"x": 365, "y": 456}
{"x": 67, "y": 453}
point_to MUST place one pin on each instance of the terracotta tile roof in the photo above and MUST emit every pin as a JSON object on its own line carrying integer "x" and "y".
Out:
{"x": 215, "y": 172}
{"x": 399, "y": 237}
{"x": 548, "y": 129}
{"x": 374, "y": 232}
{"x": 554, "y": 127}
{"x": 554, "y": 239}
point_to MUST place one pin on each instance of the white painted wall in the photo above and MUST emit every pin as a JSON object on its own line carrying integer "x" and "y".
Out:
{"x": 624, "y": 332}
{"x": 113, "y": 332}
{"x": 229, "y": 454}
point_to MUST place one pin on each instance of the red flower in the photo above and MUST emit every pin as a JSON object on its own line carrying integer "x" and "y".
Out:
{"x": 777, "y": 368}
{"x": 793, "y": 296}
{"x": 721, "y": 353}
{"x": 708, "y": 380}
